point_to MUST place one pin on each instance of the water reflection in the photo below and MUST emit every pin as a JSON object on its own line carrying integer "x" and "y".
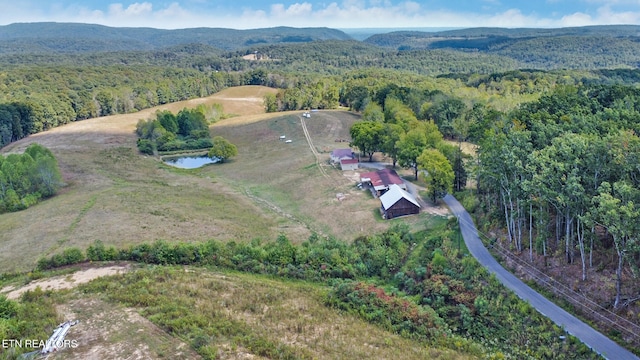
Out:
{"x": 190, "y": 162}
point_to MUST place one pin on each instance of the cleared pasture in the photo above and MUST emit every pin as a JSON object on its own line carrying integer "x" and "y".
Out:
{"x": 120, "y": 197}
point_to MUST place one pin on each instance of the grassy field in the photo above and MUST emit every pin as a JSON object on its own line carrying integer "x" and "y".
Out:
{"x": 246, "y": 315}
{"x": 115, "y": 195}
{"x": 286, "y": 176}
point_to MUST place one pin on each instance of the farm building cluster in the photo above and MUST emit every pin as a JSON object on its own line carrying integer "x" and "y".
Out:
{"x": 384, "y": 184}
{"x": 387, "y": 185}
{"x": 346, "y": 158}
{"x": 380, "y": 181}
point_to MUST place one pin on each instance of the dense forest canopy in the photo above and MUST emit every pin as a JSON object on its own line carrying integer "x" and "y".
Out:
{"x": 590, "y": 47}
{"x": 564, "y": 167}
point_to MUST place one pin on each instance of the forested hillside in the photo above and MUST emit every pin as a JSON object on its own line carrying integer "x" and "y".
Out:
{"x": 39, "y": 98}
{"x": 566, "y": 48}
{"x": 564, "y": 171}
{"x": 86, "y": 38}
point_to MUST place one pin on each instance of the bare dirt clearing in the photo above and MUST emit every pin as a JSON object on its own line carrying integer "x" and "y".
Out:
{"x": 107, "y": 331}
{"x": 66, "y": 281}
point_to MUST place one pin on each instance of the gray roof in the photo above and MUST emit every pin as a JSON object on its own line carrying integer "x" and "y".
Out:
{"x": 342, "y": 153}
{"x": 394, "y": 195}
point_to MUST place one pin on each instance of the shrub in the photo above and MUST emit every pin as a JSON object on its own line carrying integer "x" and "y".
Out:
{"x": 72, "y": 256}
{"x": 8, "y": 308}
{"x": 98, "y": 252}
{"x": 69, "y": 256}
{"x": 392, "y": 312}
{"x": 145, "y": 146}
{"x": 173, "y": 145}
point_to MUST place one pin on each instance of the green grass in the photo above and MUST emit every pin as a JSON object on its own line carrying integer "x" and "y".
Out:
{"x": 122, "y": 198}
{"x": 226, "y": 314}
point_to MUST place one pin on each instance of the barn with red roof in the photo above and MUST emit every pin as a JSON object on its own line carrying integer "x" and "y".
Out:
{"x": 380, "y": 180}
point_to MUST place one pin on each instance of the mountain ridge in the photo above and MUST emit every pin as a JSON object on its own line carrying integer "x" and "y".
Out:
{"x": 73, "y": 37}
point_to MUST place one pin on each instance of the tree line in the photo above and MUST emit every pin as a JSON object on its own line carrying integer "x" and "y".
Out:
{"x": 36, "y": 99}
{"x": 27, "y": 178}
{"x": 564, "y": 174}
{"x": 40, "y": 96}
{"x": 413, "y": 284}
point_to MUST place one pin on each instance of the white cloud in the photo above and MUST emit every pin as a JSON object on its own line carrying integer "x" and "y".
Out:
{"x": 606, "y": 15}
{"x": 576, "y": 19}
{"x": 336, "y": 14}
{"x": 135, "y": 9}
{"x": 295, "y": 10}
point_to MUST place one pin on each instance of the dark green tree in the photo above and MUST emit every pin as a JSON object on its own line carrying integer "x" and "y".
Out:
{"x": 367, "y": 136}
{"x": 190, "y": 121}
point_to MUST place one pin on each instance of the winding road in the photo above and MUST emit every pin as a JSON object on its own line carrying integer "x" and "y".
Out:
{"x": 601, "y": 344}
{"x": 572, "y": 325}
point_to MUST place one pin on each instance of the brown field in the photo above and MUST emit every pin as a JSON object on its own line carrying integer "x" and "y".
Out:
{"x": 115, "y": 195}
{"x": 289, "y": 313}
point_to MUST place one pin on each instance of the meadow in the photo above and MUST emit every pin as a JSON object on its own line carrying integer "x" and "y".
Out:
{"x": 159, "y": 312}
{"x": 115, "y": 195}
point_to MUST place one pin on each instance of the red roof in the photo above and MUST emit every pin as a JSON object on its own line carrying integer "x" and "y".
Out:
{"x": 382, "y": 178}
{"x": 349, "y": 161}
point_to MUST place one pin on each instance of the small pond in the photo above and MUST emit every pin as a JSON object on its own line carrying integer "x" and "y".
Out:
{"x": 189, "y": 162}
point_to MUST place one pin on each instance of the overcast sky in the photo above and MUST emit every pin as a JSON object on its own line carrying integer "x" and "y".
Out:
{"x": 247, "y": 14}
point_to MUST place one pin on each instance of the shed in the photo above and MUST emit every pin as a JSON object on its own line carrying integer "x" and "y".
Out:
{"x": 397, "y": 202}
{"x": 339, "y": 154}
{"x": 349, "y": 164}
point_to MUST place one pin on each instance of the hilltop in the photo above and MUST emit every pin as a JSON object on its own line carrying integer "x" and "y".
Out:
{"x": 74, "y": 38}
{"x": 589, "y": 47}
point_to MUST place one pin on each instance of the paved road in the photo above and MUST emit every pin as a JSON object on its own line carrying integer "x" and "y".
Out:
{"x": 574, "y": 326}
{"x": 373, "y": 165}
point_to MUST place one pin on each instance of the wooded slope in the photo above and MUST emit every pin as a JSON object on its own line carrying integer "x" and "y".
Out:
{"x": 85, "y": 38}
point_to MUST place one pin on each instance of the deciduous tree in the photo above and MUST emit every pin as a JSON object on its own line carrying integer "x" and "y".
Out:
{"x": 222, "y": 149}
{"x": 367, "y": 137}
{"x": 439, "y": 173}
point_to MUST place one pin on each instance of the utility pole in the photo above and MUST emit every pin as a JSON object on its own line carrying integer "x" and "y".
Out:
{"x": 459, "y": 233}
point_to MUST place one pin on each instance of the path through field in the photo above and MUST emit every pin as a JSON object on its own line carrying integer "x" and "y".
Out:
{"x": 313, "y": 148}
